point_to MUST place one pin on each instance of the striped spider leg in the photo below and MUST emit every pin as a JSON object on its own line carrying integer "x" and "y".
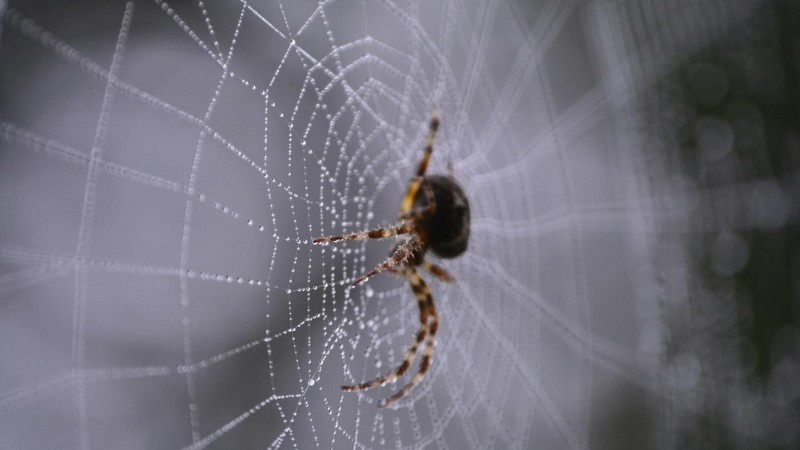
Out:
{"x": 401, "y": 253}
{"x": 430, "y": 326}
{"x": 413, "y": 188}
{"x": 378, "y": 233}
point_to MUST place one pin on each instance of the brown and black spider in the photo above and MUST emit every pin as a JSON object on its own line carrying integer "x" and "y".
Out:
{"x": 435, "y": 216}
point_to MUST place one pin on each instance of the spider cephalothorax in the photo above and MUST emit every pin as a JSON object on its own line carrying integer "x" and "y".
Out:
{"x": 435, "y": 216}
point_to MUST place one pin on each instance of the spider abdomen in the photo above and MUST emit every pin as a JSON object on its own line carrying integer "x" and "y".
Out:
{"x": 447, "y": 230}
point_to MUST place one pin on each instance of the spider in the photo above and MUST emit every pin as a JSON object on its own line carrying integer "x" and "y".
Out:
{"x": 435, "y": 215}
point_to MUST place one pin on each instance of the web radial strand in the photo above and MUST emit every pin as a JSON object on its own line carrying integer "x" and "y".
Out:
{"x": 171, "y": 169}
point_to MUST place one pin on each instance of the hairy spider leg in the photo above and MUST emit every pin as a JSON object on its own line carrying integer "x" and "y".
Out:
{"x": 425, "y": 303}
{"x": 431, "y": 327}
{"x": 397, "y": 373}
{"x": 378, "y": 233}
{"x": 433, "y": 129}
{"x": 437, "y": 271}
{"x": 413, "y": 188}
{"x": 400, "y": 254}
{"x": 425, "y": 211}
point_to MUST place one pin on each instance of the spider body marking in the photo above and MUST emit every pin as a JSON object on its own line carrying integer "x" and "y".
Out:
{"x": 435, "y": 215}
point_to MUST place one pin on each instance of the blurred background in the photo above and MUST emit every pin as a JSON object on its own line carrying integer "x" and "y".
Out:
{"x": 633, "y": 275}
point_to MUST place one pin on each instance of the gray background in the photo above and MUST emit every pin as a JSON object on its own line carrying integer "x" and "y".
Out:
{"x": 632, "y": 274}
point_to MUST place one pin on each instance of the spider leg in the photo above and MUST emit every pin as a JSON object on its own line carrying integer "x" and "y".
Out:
{"x": 422, "y": 301}
{"x": 437, "y": 271}
{"x": 378, "y": 233}
{"x": 413, "y": 188}
{"x": 434, "y": 269}
{"x": 394, "y": 271}
{"x": 425, "y": 211}
{"x": 433, "y": 128}
{"x": 401, "y": 253}
{"x": 412, "y": 352}
{"x": 411, "y": 195}
{"x": 427, "y": 311}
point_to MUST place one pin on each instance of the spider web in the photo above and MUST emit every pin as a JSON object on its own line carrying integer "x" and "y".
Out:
{"x": 165, "y": 166}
